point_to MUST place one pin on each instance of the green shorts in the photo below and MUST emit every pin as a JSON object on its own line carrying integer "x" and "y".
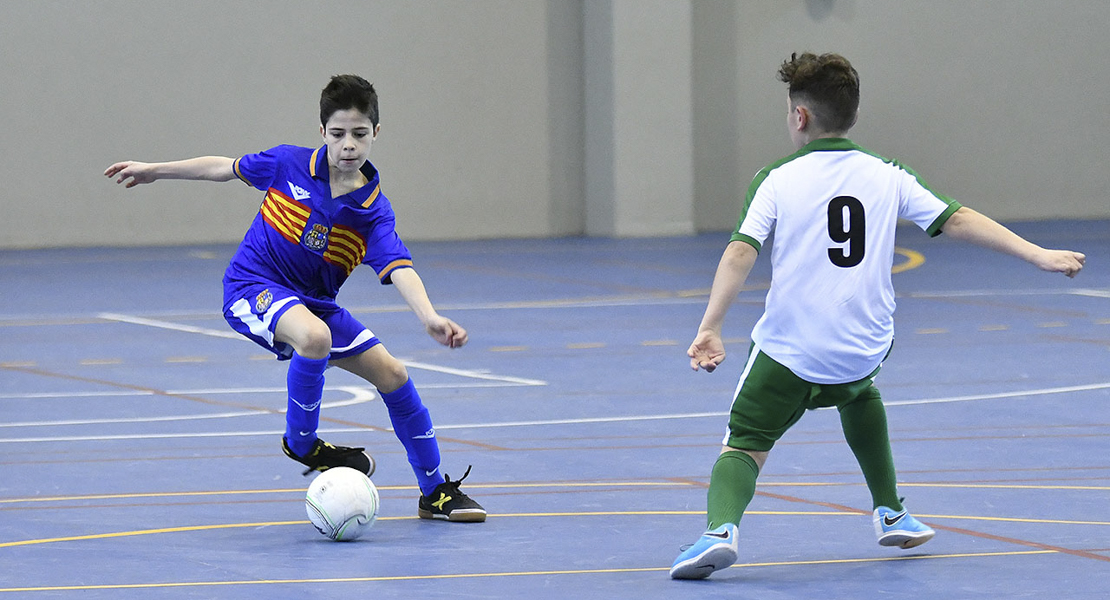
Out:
{"x": 770, "y": 398}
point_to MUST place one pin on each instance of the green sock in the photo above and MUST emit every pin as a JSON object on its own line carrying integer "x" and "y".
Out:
{"x": 864, "y": 423}
{"x": 731, "y": 488}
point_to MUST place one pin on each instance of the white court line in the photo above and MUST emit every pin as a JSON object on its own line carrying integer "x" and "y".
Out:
{"x": 1041, "y": 392}
{"x": 473, "y": 374}
{"x": 235, "y": 336}
{"x": 1004, "y": 292}
{"x": 1093, "y": 293}
{"x": 358, "y": 396}
{"x": 616, "y": 419}
{"x": 168, "y": 325}
{"x": 662, "y": 298}
{"x": 205, "y": 392}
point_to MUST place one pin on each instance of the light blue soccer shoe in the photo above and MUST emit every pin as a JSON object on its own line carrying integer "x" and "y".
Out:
{"x": 715, "y": 550}
{"x": 900, "y": 528}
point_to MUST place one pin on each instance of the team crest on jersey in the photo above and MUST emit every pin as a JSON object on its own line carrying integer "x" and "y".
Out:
{"x": 262, "y": 301}
{"x": 316, "y": 238}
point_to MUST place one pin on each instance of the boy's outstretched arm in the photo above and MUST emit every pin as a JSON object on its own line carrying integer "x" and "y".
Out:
{"x": 442, "y": 329}
{"x": 970, "y": 226}
{"x": 206, "y": 168}
{"x": 707, "y": 351}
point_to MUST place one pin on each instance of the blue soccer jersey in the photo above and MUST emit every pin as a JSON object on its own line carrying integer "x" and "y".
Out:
{"x": 305, "y": 240}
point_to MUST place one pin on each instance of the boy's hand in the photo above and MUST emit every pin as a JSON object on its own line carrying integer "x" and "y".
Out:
{"x": 446, "y": 332}
{"x": 1061, "y": 261}
{"x": 138, "y": 172}
{"x": 707, "y": 351}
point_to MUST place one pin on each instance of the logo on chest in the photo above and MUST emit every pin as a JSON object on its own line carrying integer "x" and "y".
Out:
{"x": 299, "y": 193}
{"x": 315, "y": 238}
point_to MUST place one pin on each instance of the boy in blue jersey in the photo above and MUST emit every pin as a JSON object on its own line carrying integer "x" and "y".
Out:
{"x": 322, "y": 216}
{"x": 829, "y": 318}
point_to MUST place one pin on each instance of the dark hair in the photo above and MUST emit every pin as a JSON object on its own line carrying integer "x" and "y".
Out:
{"x": 345, "y": 92}
{"x": 827, "y": 84}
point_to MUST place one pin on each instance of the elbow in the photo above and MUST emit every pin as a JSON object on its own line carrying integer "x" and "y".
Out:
{"x": 957, "y": 223}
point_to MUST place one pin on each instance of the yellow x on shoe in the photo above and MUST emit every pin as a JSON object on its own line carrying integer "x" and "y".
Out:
{"x": 448, "y": 503}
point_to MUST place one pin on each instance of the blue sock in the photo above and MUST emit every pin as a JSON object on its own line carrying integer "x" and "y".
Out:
{"x": 306, "y": 386}
{"x": 413, "y": 426}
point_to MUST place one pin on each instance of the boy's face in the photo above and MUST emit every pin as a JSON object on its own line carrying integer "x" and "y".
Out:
{"x": 348, "y": 135}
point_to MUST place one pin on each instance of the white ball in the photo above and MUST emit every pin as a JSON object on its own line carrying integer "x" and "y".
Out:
{"x": 342, "y": 503}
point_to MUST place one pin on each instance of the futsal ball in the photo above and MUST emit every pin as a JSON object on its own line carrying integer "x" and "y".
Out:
{"x": 342, "y": 503}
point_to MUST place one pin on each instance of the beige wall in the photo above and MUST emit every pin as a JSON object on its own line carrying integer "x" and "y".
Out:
{"x": 480, "y": 111}
{"x": 485, "y": 110}
{"x": 998, "y": 104}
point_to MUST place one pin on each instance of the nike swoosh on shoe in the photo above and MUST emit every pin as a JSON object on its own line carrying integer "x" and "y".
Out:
{"x": 891, "y": 522}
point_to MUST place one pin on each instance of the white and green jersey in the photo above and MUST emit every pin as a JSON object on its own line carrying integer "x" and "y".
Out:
{"x": 834, "y": 208}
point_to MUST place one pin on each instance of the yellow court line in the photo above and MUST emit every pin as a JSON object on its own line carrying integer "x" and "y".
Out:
{"x": 186, "y": 528}
{"x": 118, "y": 534}
{"x": 792, "y": 563}
{"x": 628, "y": 513}
{"x": 1013, "y": 519}
{"x": 1007, "y": 486}
{"x": 559, "y": 485}
{"x": 149, "y": 495}
{"x": 94, "y": 362}
{"x": 913, "y": 260}
{"x": 487, "y": 486}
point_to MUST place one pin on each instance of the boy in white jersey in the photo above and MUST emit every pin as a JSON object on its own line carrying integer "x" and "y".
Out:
{"x": 828, "y": 322}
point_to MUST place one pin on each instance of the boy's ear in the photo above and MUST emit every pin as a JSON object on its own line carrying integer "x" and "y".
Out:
{"x": 322, "y": 132}
{"x": 377, "y": 130}
{"x": 802, "y": 117}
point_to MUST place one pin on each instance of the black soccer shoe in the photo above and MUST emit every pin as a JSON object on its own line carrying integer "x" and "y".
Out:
{"x": 324, "y": 456}
{"x": 447, "y": 503}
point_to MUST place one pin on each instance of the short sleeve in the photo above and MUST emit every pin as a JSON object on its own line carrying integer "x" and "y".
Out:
{"x": 919, "y": 203}
{"x": 385, "y": 252}
{"x": 758, "y": 216}
{"x": 257, "y": 170}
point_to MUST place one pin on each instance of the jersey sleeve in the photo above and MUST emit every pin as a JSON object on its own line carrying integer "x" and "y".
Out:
{"x": 257, "y": 170}
{"x": 757, "y": 217}
{"x": 921, "y": 204}
{"x": 385, "y": 252}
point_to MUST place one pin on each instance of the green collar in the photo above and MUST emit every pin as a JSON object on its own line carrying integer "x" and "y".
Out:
{"x": 821, "y": 144}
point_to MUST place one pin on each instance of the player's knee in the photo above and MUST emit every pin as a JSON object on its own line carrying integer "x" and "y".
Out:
{"x": 759, "y": 456}
{"x": 315, "y": 341}
{"x": 392, "y": 376}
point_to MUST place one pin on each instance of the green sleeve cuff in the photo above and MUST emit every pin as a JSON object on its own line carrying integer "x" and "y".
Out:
{"x": 739, "y": 237}
{"x": 935, "y": 228}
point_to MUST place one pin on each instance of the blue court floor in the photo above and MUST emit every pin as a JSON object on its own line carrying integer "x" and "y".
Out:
{"x": 140, "y": 438}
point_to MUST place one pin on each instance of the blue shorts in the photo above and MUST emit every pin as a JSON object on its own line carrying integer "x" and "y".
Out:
{"x": 253, "y": 309}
